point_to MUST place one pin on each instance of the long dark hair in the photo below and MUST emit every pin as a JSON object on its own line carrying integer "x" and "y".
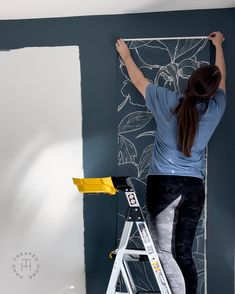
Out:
{"x": 202, "y": 84}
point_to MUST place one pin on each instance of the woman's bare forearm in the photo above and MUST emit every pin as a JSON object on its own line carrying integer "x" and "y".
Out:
{"x": 219, "y": 60}
{"x": 217, "y": 38}
{"x": 134, "y": 72}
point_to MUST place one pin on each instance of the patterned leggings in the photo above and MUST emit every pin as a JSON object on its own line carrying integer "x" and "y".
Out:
{"x": 174, "y": 205}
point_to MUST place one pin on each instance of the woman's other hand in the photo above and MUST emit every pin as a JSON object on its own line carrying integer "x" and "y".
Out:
{"x": 122, "y": 49}
{"x": 216, "y": 38}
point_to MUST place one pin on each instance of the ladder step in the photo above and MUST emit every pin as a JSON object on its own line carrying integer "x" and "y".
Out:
{"x": 131, "y": 255}
{"x": 148, "y": 292}
{"x": 139, "y": 292}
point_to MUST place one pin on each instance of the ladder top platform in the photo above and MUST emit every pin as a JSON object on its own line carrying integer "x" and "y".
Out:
{"x": 95, "y": 185}
{"x": 107, "y": 185}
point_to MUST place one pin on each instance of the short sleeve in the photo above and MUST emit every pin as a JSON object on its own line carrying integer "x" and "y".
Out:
{"x": 217, "y": 104}
{"x": 152, "y": 95}
{"x": 160, "y": 99}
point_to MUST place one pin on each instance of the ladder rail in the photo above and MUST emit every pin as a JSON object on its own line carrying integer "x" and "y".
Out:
{"x": 119, "y": 258}
{"x": 153, "y": 258}
{"x": 127, "y": 277}
{"x": 126, "y": 266}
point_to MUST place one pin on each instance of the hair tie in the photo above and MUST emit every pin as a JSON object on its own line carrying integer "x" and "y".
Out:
{"x": 199, "y": 101}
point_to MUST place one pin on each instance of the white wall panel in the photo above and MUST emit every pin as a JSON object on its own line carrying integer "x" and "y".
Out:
{"x": 41, "y": 211}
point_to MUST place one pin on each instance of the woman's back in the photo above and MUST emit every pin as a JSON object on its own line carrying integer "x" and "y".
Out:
{"x": 167, "y": 159}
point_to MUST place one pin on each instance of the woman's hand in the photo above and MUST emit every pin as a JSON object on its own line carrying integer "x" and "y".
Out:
{"x": 122, "y": 49}
{"x": 216, "y": 38}
{"x": 135, "y": 75}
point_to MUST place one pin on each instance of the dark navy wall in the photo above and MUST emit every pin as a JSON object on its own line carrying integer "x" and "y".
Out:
{"x": 96, "y": 36}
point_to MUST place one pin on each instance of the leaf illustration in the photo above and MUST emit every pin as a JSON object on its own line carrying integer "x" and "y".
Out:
{"x": 148, "y": 133}
{"x": 169, "y": 75}
{"x": 120, "y": 106}
{"x": 134, "y": 121}
{"x": 134, "y": 96}
{"x": 145, "y": 161}
{"x": 155, "y": 56}
{"x": 127, "y": 150}
{"x": 186, "y": 48}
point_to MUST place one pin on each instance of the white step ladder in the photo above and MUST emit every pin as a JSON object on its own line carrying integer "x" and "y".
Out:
{"x": 122, "y": 255}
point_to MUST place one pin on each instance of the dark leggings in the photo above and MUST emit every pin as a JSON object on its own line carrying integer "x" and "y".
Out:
{"x": 174, "y": 205}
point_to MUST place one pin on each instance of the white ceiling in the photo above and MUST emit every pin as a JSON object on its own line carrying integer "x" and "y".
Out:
{"x": 22, "y": 9}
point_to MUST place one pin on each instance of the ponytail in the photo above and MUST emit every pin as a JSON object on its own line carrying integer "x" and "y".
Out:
{"x": 188, "y": 118}
{"x": 202, "y": 84}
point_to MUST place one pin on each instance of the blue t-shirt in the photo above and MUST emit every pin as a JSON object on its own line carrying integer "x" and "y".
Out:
{"x": 166, "y": 158}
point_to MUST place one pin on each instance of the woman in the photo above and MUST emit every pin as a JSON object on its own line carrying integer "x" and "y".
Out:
{"x": 175, "y": 188}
